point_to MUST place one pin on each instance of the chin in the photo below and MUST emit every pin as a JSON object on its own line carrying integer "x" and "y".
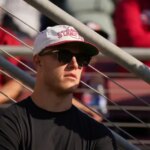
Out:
{"x": 70, "y": 89}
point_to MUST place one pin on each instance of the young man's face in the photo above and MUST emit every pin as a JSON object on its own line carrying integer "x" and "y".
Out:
{"x": 57, "y": 75}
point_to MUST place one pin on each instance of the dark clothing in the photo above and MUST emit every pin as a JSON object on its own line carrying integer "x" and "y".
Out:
{"x": 45, "y": 21}
{"x": 25, "y": 126}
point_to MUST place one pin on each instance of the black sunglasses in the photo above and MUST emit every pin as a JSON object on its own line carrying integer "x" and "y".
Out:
{"x": 65, "y": 56}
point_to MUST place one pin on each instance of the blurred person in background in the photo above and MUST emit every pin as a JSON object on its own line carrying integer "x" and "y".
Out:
{"x": 132, "y": 23}
{"x": 94, "y": 79}
{"x": 25, "y": 13}
{"x": 45, "y": 21}
{"x": 99, "y": 11}
{"x": 7, "y": 85}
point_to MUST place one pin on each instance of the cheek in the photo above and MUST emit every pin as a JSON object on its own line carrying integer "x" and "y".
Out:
{"x": 79, "y": 75}
{"x": 54, "y": 75}
{"x": 52, "y": 78}
{"x": 48, "y": 71}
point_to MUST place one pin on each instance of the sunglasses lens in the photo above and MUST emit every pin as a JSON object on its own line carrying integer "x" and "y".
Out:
{"x": 83, "y": 60}
{"x": 65, "y": 56}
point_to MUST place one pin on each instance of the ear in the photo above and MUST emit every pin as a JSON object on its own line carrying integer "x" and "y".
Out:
{"x": 36, "y": 61}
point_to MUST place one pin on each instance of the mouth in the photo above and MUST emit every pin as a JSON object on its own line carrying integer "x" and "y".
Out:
{"x": 71, "y": 75}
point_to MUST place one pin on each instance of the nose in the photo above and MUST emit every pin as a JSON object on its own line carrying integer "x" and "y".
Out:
{"x": 73, "y": 63}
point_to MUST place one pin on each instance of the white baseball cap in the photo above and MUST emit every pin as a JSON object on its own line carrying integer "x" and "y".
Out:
{"x": 60, "y": 35}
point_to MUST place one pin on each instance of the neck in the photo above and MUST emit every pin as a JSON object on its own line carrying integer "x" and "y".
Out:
{"x": 52, "y": 101}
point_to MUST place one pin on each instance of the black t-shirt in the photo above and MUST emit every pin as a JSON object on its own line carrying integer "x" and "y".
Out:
{"x": 25, "y": 126}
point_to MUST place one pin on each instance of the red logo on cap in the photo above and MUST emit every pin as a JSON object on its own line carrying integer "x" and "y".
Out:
{"x": 69, "y": 32}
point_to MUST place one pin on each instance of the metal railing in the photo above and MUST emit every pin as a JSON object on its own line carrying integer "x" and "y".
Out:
{"x": 139, "y": 53}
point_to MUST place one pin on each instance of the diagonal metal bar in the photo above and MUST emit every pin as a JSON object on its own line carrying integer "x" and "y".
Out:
{"x": 16, "y": 72}
{"x": 15, "y": 37}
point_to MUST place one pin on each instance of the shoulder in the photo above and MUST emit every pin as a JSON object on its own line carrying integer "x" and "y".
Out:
{"x": 15, "y": 110}
{"x": 14, "y": 127}
{"x": 14, "y": 119}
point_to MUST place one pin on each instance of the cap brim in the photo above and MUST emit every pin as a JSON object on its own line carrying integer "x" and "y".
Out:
{"x": 86, "y": 47}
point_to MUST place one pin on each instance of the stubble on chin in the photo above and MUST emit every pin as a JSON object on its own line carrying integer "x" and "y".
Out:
{"x": 67, "y": 90}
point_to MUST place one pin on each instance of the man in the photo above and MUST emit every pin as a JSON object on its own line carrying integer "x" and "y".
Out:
{"x": 47, "y": 120}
